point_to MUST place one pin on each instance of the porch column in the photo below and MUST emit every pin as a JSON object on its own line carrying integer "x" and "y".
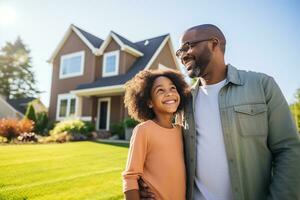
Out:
{"x": 78, "y": 110}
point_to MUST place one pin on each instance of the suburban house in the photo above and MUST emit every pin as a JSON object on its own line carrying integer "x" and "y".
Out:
{"x": 89, "y": 73}
{"x": 16, "y": 108}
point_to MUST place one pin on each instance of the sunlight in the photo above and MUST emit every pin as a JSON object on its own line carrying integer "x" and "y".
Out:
{"x": 7, "y": 15}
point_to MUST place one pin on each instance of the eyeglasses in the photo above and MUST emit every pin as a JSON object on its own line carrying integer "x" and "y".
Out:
{"x": 188, "y": 45}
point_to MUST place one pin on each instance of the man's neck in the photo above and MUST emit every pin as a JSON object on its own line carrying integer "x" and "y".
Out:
{"x": 217, "y": 74}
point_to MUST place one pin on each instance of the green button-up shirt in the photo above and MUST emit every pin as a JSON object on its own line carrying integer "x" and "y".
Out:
{"x": 261, "y": 141}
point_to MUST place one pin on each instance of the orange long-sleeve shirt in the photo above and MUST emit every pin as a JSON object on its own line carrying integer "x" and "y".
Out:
{"x": 156, "y": 155}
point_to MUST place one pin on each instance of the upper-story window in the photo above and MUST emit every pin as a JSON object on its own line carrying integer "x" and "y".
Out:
{"x": 71, "y": 65}
{"x": 111, "y": 63}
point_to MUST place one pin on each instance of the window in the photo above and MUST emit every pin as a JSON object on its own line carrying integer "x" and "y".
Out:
{"x": 66, "y": 106}
{"x": 111, "y": 63}
{"x": 71, "y": 65}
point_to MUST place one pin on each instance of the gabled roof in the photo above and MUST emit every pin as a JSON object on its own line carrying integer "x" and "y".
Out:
{"x": 20, "y": 104}
{"x": 149, "y": 47}
{"x": 95, "y": 41}
{"x": 90, "y": 40}
{"x": 126, "y": 41}
{"x": 125, "y": 45}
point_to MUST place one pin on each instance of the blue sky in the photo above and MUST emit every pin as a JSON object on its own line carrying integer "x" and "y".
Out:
{"x": 261, "y": 35}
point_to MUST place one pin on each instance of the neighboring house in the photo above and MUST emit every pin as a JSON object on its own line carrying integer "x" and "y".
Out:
{"x": 89, "y": 73}
{"x": 16, "y": 108}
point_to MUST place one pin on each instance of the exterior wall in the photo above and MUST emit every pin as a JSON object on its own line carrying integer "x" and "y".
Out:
{"x": 61, "y": 86}
{"x": 126, "y": 61}
{"x": 165, "y": 58}
{"x": 112, "y": 46}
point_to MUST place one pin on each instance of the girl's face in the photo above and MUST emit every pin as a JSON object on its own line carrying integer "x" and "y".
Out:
{"x": 164, "y": 96}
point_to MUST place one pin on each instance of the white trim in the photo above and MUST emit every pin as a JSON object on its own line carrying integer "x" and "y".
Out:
{"x": 66, "y": 36}
{"x": 99, "y": 90}
{"x": 163, "y": 67}
{"x": 67, "y": 97}
{"x": 162, "y": 45}
{"x": 108, "y": 113}
{"x": 86, "y": 118}
{"x": 157, "y": 52}
{"x": 123, "y": 46}
{"x": 116, "y": 72}
{"x": 173, "y": 54}
{"x": 67, "y": 56}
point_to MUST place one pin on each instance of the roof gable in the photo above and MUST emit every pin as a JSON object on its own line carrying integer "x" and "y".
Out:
{"x": 125, "y": 45}
{"x": 90, "y": 40}
{"x": 151, "y": 49}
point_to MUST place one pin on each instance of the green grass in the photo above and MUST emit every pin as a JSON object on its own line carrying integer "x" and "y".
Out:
{"x": 78, "y": 170}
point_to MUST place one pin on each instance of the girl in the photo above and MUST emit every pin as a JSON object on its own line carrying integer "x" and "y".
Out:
{"x": 156, "y": 149}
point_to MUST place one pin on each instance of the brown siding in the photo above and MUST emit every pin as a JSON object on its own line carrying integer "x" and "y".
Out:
{"x": 165, "y": 58}
{"x": 61, "y": 86}
{"x": 115, "y": 107}
{"x": 126, "y": 61}
{"x": 112, "y": 46}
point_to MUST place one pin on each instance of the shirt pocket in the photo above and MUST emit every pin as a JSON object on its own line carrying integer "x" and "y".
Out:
{"x": 252, "y": 119}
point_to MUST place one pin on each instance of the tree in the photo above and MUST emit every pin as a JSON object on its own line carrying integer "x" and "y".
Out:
{"x": 30, "y": 113}
{"x": 17, "y": 78}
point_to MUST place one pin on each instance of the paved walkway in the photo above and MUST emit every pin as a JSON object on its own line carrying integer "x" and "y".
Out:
{"x": 113, "y": 141}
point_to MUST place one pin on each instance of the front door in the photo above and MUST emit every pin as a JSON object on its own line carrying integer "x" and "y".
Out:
{"x": 103, "y": 114}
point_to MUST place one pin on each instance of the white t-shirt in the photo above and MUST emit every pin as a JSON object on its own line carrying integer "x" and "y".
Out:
{"x": 212, "y": 175}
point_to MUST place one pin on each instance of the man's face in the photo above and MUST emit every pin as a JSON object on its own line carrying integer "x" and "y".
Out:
{"x": 197, "y": 57}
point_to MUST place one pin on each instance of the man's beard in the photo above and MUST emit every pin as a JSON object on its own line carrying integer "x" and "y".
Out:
{"x": 200, "y": 64}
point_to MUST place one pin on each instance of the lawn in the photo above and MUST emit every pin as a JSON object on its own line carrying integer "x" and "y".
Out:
{"x": 78, "y": 170}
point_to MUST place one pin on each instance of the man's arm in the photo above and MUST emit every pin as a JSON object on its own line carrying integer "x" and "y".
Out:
{"x": 283, "y": 141}
{"x": 132, "y": 195}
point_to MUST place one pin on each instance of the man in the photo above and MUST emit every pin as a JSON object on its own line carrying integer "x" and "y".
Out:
{"x": 240, "y": 141}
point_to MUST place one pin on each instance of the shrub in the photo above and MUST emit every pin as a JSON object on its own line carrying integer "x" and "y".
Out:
{"x": 130, "y": 123}
{"x": 78, "y": 129}
{"x": 42, "y": 123}
{"x": 3, "y": 139}
{"x": 118, "y": 129}
{"x": 30, "y": 113}
{"x": 12, "y": 128}
{"x": 27, "y": 137}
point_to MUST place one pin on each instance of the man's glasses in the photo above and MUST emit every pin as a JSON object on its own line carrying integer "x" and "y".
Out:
{"x": 188, "y": 45}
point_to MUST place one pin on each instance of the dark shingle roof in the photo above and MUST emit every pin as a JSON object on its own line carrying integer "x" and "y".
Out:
{"x": 148, "y": 51}
{"x": 95, "y": 41}
{"x": 127, "y": 42}
{"x": 20, "y": 104}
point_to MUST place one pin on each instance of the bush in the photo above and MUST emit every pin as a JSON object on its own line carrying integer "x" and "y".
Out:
{"x": 30, "y": 113}
{"x": 27, "y": 137}
{"x": 78, "y": 129}
{"x": 12, "y": 128}
{"x": 118, "y": 129}
{"x": 42, "y": 123}
{"x": 130, "y": 123}
{"x": 3, "y": 139}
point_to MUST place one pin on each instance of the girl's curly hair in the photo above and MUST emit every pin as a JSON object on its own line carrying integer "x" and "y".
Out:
{"x": 138, "y": 92}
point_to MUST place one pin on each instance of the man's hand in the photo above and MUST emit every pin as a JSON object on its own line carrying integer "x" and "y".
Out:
{"x": 145, "y": 192}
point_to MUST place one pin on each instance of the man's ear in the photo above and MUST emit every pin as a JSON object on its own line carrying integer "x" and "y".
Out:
{"x": 215, "y": 43}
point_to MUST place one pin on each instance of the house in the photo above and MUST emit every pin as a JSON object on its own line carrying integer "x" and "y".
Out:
{"x": 16, "y": 108}
{"x": 89, "y": 73}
